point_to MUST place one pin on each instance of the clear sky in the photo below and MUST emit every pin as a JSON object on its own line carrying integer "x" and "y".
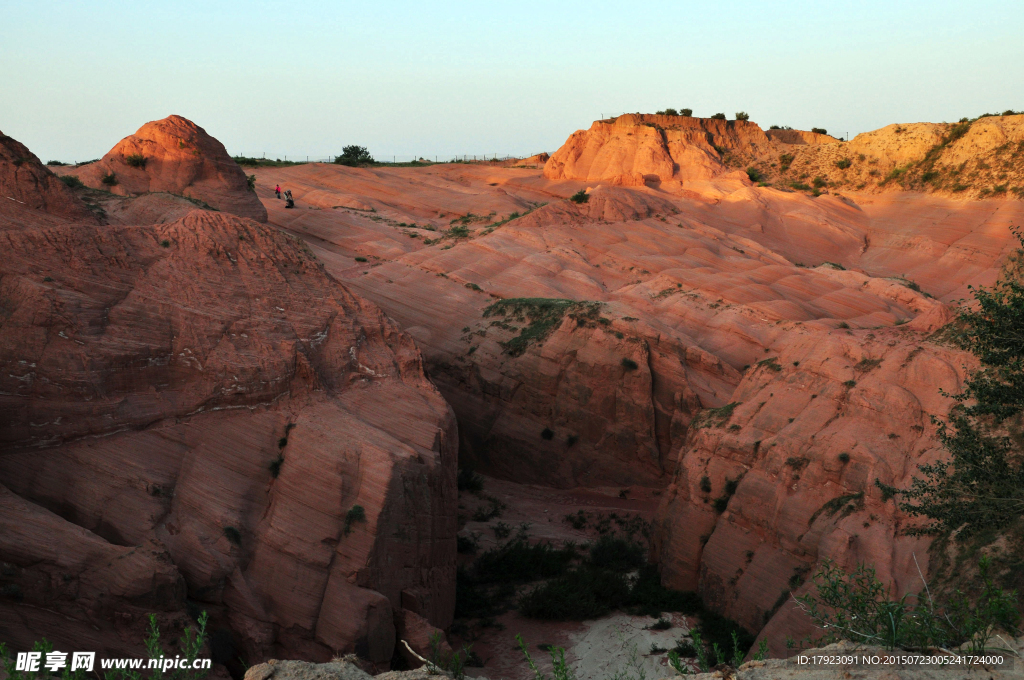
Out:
{"x": 480, "y": 77}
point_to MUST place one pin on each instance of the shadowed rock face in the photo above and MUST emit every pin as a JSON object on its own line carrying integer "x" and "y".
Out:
{"x": 204, "y": 390}
{"x": 24, "y": 181}
{"x": 177, "y": 156}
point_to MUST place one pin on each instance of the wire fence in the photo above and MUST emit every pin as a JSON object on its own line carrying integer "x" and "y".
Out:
{"x": 393, "y": 159}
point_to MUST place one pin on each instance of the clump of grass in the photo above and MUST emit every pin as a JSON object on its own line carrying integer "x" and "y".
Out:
{"x": 72, "y": 182}
{"x": 110, "y": 179}
{"x": 541, "y": 316}
{"x": 135, "y": 160}
{"x": 715, "y": 417}
{"x": 580, "y": 196}
{"x": 843, "y": 163}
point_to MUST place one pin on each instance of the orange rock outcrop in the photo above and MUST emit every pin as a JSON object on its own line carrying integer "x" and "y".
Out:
{"x": 176, "y": 156}
{"x": 25, "y": 182}
{"x": 197, "y": 407}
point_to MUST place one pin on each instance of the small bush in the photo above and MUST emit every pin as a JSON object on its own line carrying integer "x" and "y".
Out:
{"x": 72, "y": 182}
{"x": 467, "y": 545}
{"x": 856, "y": 605}
{"x": 233, "y": 535}
{"x": 819, "y": 182}
{"x": 55, "y": 163}
{"x": 136, "y": 160}
{"x": 754, "y": 174}
{"x": 718, "y": 116}
{"x": 820, "y": 131}
{"x": 843, "y": 163}
{"x": 275, "y": 466}
{"x": 616, "y": 554}
{"x": 686, "y": 112}
{"x": 250, "y": 182}
{"x": 468, "y": 480}
{"x": 742, "y": 115}
{"x": 705, "y": 484}
{"x": 547, "y": 433}
{"x": 844, "y": 457}
{"x": 850, "y": 383}
{"x": 360, "y": 258}
{"x": 165, "y": 244}
{"x": 580, "y": 196}
{"x": 629, "y": 364}
{"x": 661, "y": 624}
{"x": 355, "y": 514}
{"x": 110, "y": 179}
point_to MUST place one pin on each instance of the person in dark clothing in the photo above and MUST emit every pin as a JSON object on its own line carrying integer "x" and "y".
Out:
{"x": 288, "y": 201}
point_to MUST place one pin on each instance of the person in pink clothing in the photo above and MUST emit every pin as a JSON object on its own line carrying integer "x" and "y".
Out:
{"x": 277, "y": 190}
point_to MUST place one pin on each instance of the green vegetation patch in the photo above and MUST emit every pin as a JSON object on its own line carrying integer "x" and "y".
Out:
{"x": 541, "y": 316}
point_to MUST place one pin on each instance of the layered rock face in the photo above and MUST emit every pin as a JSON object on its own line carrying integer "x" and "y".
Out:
{"x": 177, "y": 156}
{"x": 198, "y": 407}
{"x": 636, "y": 149}
{"x": 24, "y": 181}
{"x": 768, "y": 487}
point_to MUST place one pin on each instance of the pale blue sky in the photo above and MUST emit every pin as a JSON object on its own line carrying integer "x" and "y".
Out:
{"x": 488, "y": 77}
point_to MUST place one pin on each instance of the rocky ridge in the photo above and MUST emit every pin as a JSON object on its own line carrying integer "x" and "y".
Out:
{"x": 196, "y": 409}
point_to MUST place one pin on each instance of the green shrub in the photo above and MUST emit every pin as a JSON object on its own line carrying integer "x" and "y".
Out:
{"x": 582, "y": 593}
{"x": 466, "y": 545}
{"x": 250, "y": 181}
{"x": 72, "y": 182}
{"x": 855, "y": 605}
{"x": 580, "y": 196}
{"x": 754, "y": 174}
{"x": 819, "y": 182}
{"x": 844, "y": 457}
{"x": 686, "y": 112}
{"x": 519, "y": 561}
{"x": 820, "y": 131}
{"x": 661, "y": 624}
{"x": 165, "y": 243}
{"x": 110, "y": 179}
{"x": 616, "y": 554}
{"x": 629, "y": 364}
{"x": 56, "y": 163}
{"x": 355, "y": 514}
{"x": 668, "y": 112}
{"x": 360, "y": 258}
{"x": 705, "y": 484}
{"x": 275, "y": 466}
{"x": 136, "y": 160}
{"x": 843, "y": 163}
{"x": 467, "y": 480}
{"x": 353, "y": 155}
{"x": 742, "y": 115}
{"x": 718, "y": 116}
{"x": 543, "y": 316}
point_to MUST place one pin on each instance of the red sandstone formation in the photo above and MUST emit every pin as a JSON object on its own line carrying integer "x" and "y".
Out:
{"x": 198, "y": 404}
{"x": 24, "y": 181}
{"x": 176, "y": 156}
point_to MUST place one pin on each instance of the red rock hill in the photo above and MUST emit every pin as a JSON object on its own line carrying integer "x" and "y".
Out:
{"x": 176, "y": 156}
